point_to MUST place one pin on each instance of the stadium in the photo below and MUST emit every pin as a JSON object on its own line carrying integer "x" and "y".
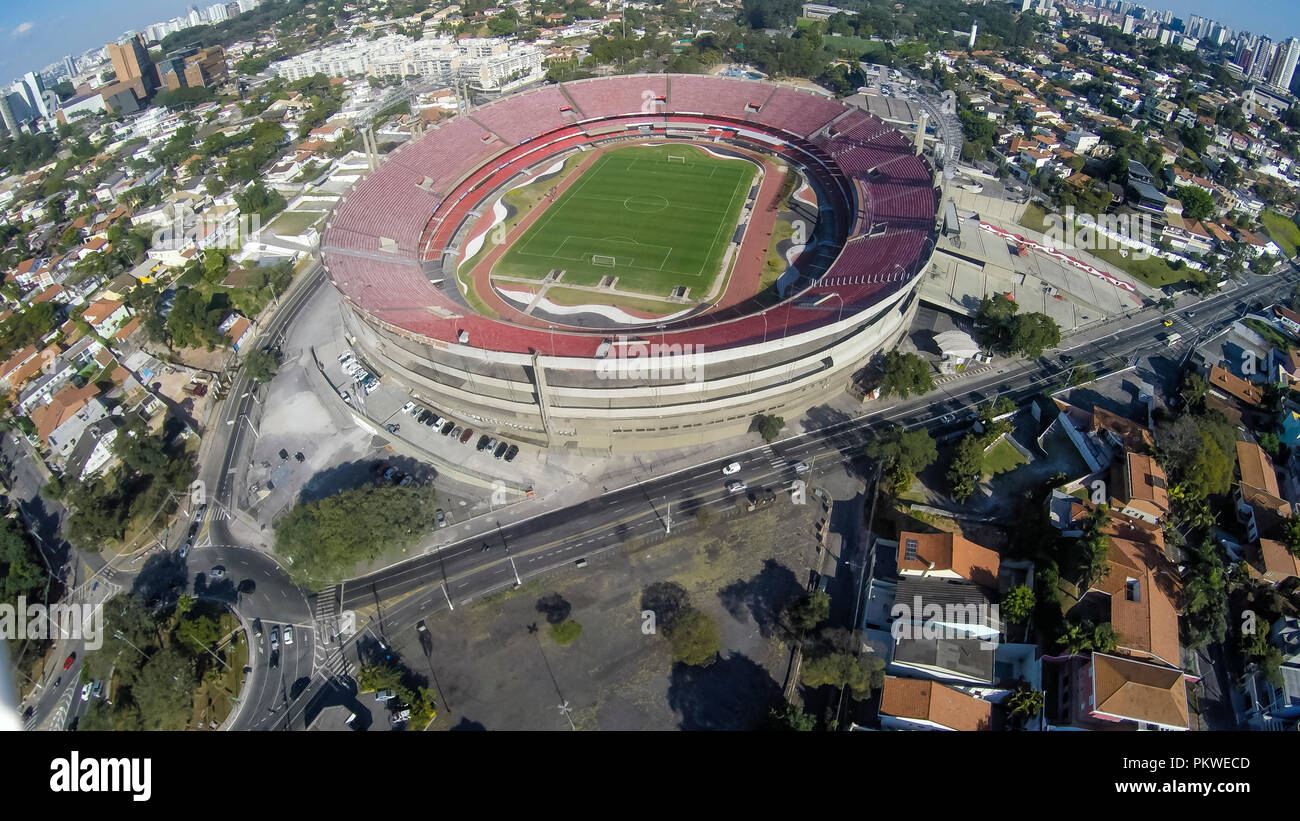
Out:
{"x": 636, "y": 262}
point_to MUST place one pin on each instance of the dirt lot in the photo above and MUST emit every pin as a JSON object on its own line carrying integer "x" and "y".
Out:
{"x": 493, "y": 672}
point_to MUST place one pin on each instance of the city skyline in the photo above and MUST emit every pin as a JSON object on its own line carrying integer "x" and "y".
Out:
{"x": 36, "y": 34}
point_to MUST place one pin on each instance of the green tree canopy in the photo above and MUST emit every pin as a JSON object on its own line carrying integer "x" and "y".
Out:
{"x": 905, "y": 374}
{"x": 695, "y": 638}
{"x": 323, "y": 540}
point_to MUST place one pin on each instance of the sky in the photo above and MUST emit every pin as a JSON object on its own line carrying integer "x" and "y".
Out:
{"x": 34, "y": 33}
{"x": 1276, "y": 19}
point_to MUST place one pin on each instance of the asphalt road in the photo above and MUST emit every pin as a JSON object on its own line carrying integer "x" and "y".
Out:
{"x": 489, "y": 561}
{"x": 289, "y": 694}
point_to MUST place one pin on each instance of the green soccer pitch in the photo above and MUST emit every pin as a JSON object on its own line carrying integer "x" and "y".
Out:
{"x": 656, "y": 217}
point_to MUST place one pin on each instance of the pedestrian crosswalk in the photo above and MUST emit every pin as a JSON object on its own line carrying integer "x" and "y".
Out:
{"x": 328, "y": 650}
{"x": 773, "y": 459}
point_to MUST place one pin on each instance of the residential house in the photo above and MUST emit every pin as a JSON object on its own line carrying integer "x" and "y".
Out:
{"x": 1270, "y": 561}
{"x": 1224, "y": 384}
{"x": 61, "y": 422}
{"x": 915, "y": 704}
{"x": 1275, "y": 705}
{"x": 1102, "y": 691}
{"x": 946, "y": 556}
{"x": 238, "y": 329}
{"x": 106, "y": 315}
{"x": 1260, "y": 506}
{"x": 1140, "y": 488}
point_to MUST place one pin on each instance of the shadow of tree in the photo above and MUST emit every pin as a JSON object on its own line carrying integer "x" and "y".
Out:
{"x": 161, "y": 578}
{"x": 555, "y": 608}
{"x": 765, "y": 596}
{"x": 733, "y": 693}
{"x": 667, "y": 600}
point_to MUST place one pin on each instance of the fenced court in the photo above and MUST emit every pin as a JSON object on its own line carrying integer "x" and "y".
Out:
{"x": 655, "y": 217}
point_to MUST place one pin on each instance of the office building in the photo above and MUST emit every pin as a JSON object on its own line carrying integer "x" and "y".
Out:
{"x": 131, "y": 62}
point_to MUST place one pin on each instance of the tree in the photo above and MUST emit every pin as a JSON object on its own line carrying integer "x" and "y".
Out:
{"x": 905, "y": 374}
{"x": 1023, "y": 704}
{"x": 566, "y": 632}
{"x": 1197, "y": 203}
{"x": 323, "y": 540}
{"x": 1204, "y": 600}
{"x": 1032, "y": 333}
{"x": 695, "y": 639}
{"x": 1018, "y": 604}
{"x": 769, "y": 427}
{"x": 810, "y": 611}
{"x": 1086, "y": 637}
{"x": 967, "y": 467}
{"x": 1094, "y": 545}
{"x": 261, "y": 366}
{"x": 790, "y": 717}
{"x": 861, "y": 674}
{"x": 901, "y": 455}
{"x": 1291, "y": 535}
{"x": 165, "y": 689}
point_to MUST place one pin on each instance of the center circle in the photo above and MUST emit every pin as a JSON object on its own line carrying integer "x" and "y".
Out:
{"x": 645, "y": 203}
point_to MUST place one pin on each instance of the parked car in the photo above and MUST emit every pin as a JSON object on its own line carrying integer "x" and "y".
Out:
{"x": 447, "y": 427}
{"x": 440, "y": 517}
{"x": 734, "y": 467}
{"x": 409, "y": 407}
{"x": 344, "y": 395}
{"x": 482, "y": 442}
{"x": 288, "y": 635}
{"x": 185, "y": 548}
{"x": 455, "y": 432}
{"x": 384, "y": 695}
{"x": 406, "y": 480}
{"x": 97, "y": 690}
{"x": 491, "y": 444}
{"x": 391, "y": 428}
{"x": 419, "y": 625}
{"x": 275, "y": 638}
{"x": 466, "y": 435}
{"x": 511, "y": 453}
{"x": 85, "y": 691}
{"x": 370, "y": 388}
{"x": 424, "y": 418}
{"x": 501, "y": 450}
{"x": 257, "y": 629}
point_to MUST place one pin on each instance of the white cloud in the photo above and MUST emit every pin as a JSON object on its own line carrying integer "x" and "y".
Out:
{"x": 21, "y": 29}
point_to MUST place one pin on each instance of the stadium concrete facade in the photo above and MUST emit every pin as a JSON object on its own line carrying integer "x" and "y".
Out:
{"x": 393, "y": 245}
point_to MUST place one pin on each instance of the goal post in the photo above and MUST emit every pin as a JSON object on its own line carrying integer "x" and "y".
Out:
{"x": 677, "y": 158}
{"x": 603, "y": 260}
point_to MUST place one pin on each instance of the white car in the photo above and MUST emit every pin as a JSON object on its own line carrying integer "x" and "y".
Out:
{"x": 736, "y": 486}
{"x": 734, "y": 467}
{"x": 288, "y": 635}
{"x": 409, "y": 407}
{"x": 346, "y": 355}
{"x": 370, "y": 387}
{"x": 85, "y": 692}
{"x": 800, "y": 467}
